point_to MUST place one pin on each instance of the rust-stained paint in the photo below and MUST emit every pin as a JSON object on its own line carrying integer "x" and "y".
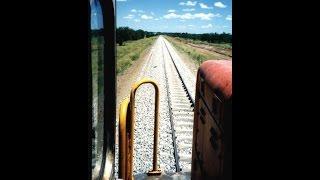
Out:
{"x": 212, "y": 127}
{"x": 218, "y": 75}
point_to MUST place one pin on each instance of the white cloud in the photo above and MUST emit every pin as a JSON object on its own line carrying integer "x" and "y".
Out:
{"x": 171, "y": 16}
{"x": 121, "y": 0}
{"x": 130, "y": 16}
{"x": 229, "y": 18}
{"x": 190, "y": 25}
{"x": 157, "y": 19}
{"x": 204, "y": 6}
{"x": 152, "y": 13}
{"x": 208, "y": 16}
{"x": 187, "y": 16}
{"x": 207, "y": 26}
{"x": 188, "y": 3}
{"x": 135, "y": 11}
{"x": 188, "y": 10}
{"x": 201, "y": 16}
{"x": 171, "y": 11}
{"x": 217, "y": 15}
{"x": 219, "y": 5}
{"x": 137, "y": 20}
{"x": 146, "y": 17}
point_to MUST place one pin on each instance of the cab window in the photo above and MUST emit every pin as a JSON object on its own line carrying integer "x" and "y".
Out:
{"x": 97, "y": 70}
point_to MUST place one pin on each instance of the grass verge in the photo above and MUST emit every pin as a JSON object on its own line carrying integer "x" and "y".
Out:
{"x": 227, "y": 46}
{"x": 197, "y": 56}
{"x": 131, "y": 51}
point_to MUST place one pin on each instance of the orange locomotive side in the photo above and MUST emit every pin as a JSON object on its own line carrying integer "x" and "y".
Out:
{"x": 212, "y": 131}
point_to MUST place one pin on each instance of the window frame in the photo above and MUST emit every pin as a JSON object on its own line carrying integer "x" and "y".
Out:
{"x": 106, "y": 170}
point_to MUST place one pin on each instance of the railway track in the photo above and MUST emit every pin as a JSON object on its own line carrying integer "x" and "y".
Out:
{"x": 180, "y": 103}
{"x": 176, "y": 112}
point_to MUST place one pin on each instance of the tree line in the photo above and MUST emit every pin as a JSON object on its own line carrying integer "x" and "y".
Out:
{"x": 126, "y": 34}
{"x": 209, "y": 37}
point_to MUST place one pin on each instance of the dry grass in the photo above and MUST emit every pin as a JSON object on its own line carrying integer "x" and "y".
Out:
{"x": 131, "y": 51}
{"x": 197, "y": 56}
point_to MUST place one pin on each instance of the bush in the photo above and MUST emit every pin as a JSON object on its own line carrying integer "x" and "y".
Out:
{"x": 123, "y": 64}
{"x": 134, "y": 57}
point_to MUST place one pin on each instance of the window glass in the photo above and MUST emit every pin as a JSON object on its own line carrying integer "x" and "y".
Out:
{"x": 97, "y": 45}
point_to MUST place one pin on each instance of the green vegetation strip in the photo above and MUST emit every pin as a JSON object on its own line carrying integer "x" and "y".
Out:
{"x": 196, "y": 56}
{"x": 218, "y": 45}
{"x": 131, "y": 51}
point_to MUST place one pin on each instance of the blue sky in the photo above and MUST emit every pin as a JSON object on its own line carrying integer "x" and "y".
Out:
{"x": 96, "y": 15}
{"x": 201, "y": 16}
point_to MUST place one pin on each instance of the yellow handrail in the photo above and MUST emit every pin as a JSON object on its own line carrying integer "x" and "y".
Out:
{"x": 123, "y": 138}
{"x": 126, "y": 131}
